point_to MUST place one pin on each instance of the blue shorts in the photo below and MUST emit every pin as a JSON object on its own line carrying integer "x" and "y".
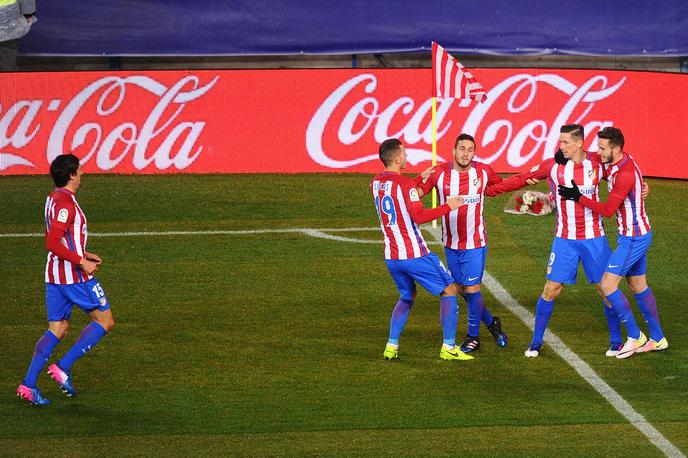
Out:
{"x": 566, "y": 254}
{"x": 630, "y": 256}
{"x": 428, "y": 271}
{"x": 466, "y": 266}
{"x": 88, "y": 296}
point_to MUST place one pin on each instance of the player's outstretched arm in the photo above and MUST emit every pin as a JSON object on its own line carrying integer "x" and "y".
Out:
{"x": 421, "y": 215}
{"x": 521, "y": 180}
{"x": 616, "y": 197}
{"x": 426, "y": 180}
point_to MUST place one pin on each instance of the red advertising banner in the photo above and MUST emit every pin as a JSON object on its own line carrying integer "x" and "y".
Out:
{"x": 290, "y": 121}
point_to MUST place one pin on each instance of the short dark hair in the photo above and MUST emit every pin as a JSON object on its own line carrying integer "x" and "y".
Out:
{"x": 576, "y": 130}
{"x": 613, "y": 134}
{"x": 463, "y": 137}
{"x": 388, "y": 150}
{"x": 62, "y": 168}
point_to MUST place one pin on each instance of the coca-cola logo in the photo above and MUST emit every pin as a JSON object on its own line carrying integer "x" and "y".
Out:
{"x": 177, "y": 142}
{"x": 365, "y": 117}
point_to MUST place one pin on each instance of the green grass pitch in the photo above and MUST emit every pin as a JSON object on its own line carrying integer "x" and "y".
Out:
{"x": 271, "y": 344}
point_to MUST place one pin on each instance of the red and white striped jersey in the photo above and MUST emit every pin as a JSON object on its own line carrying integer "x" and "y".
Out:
{"x": 400, "y": 211}
{"x": 574, "y": 221}
{"x": 62, "y": 213}
{"x": 625, "y": 183}
{"x": 464, "y": 228}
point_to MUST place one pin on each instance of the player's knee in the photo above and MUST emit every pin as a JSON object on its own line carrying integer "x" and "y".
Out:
{"x": 451, "y": 290}
{"x": 551, "y": 290}
{"x": 59, "y": 328}
{"x": 472, "y": 289}
{"x": 637, "y": 284}
{"x": 108, "y": 324}
{"x": 607, "y": 287}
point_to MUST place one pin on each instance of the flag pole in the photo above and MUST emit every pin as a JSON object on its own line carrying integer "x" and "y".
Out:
{"x": 434, "y": 153}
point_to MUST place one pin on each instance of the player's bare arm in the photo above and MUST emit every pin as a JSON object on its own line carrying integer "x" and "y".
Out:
{"x": 424, "y": 175}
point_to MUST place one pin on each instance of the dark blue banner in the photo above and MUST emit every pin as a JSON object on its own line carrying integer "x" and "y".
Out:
{"x": 259, "y": 27}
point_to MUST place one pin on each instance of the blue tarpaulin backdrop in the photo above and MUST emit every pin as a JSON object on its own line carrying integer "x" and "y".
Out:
{"x": 260, "y": 27}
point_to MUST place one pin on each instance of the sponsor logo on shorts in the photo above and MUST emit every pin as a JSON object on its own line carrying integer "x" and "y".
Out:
{"x": 611, "y": 266}
{"x": 472, "y": 278}
{"x": 103, "y": 301}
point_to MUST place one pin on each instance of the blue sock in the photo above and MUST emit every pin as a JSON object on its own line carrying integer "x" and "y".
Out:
{"x": 44, "y": 348}
{"x": 543, "y": 311}
{"x": 648, "y": 307}
{"x": 449, "y": 317}
{"x": 399, "y": 316}
{"x": 486, "y": 316}
{"x": 90, "y": 336}
{"x": 623, "y": 310}
{"x": 475, "y": 306}
{"x": 613, "y": 324}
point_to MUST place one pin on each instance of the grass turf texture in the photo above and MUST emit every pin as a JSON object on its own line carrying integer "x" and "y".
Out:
{"x": 271, "y": 344}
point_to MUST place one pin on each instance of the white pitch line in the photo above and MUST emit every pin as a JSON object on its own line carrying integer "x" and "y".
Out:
{"x": 208, "y": 232}
{"x": 581, "y": 367}
{"x": 318, "y": 233}
{"x": 312, "y": 232}
{"x": 584, "y": 370}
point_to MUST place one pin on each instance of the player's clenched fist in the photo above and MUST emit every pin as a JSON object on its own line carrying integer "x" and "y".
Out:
{"x": 455, "y": 202}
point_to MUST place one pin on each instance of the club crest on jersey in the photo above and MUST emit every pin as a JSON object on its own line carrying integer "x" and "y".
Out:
{"x": 447, "y": 189}
{"x": 413, "y": 194}
{"x": 592, "y": 173}
{"x": 476, "y": 182}
{"x": 63, "y": 215}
